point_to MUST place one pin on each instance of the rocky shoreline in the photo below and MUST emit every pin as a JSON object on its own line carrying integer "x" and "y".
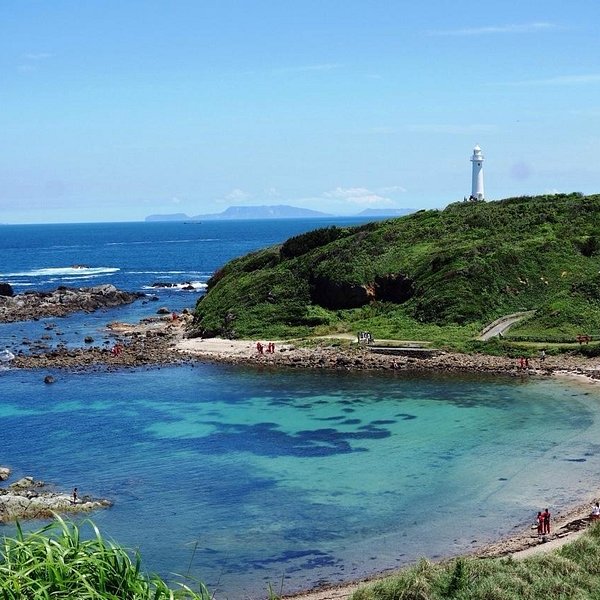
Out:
{"x": 162, "y": 341}
{"x": 152, "y": 342}
{"x": 61, "y": 302}
{"x": 29, "y": 498}
{"x": 326, "y": 355}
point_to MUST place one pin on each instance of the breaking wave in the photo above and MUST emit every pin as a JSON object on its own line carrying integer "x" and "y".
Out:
{"x": 75, "y": 271}
{"x": 185, "y": 286}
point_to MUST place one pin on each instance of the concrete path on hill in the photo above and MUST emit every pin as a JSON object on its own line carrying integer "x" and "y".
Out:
{"x": 503, "y": 324}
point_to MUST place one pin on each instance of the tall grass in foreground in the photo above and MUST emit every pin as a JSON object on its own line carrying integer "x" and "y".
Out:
{"x": 570, "y": 573}
{"x": 55, "y": 563}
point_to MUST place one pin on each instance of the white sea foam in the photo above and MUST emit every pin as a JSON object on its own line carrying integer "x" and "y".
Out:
{"x": 75, "y": 270}
{"x": 197, "y": 285}
{"x": 6, "y": 356}
{"x": 20, "y": 283}
{"x": 154, "y": 242}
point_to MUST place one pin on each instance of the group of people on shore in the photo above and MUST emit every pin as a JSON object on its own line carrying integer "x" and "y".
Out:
{"x": 524, "y": 360}
{"x": 543, "y": 523}
{"x": 261, "y": 349}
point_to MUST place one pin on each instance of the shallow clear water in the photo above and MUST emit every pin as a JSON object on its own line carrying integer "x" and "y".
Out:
{"x": 245, "y": 475}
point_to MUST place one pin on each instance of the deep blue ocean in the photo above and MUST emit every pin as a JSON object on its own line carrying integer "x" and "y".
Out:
{"x": 240, "y": 476}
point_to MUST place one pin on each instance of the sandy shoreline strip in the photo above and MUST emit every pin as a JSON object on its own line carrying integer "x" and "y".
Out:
{"x": 326, "y": 354}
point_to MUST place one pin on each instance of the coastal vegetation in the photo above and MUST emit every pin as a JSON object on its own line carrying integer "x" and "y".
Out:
{"x": 56, "y": 562}
{"x": 572, "y": 571}
{"x": 435, "y": 275}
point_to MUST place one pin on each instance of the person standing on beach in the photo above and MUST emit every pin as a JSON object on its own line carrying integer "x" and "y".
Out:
{"x": 546, "y": 522}
{"x": 74, "y": 495}
{"x": 540, "y": 523}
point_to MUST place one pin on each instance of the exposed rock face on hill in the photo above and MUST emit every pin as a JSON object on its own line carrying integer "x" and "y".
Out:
{"x": 337, "y": 295}
{"x": 61, "y": 302}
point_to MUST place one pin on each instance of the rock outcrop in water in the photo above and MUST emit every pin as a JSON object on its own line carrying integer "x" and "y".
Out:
{"x": 32, "y": 499}
{"x": 62, "y": 301}
{"x": 6, "y": 289}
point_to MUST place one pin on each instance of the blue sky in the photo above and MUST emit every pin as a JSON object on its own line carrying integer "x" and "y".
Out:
{"x": 110, "y": 111}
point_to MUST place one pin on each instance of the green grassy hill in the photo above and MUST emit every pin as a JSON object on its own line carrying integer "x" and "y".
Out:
{"x": 437, "y": 275}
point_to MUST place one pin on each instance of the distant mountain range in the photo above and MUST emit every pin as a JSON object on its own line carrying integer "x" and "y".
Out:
{"x": 281, "y": 211}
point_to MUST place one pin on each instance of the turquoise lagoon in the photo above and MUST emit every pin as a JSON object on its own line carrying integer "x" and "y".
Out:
{"x": 243, "y": 477}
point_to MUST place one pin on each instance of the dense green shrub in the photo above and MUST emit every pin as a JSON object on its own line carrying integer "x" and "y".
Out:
{"x": 56, "y": 563}
{"x": 305, "y": 242}
{"x": 572, "y": 572}
{"x": 467, "y": 265}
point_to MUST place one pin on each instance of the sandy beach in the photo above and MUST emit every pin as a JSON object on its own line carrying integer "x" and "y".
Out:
{"x": 338, "y": 353}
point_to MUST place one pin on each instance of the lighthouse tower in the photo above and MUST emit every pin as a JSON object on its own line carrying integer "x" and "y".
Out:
{"x": 477, "y": 181}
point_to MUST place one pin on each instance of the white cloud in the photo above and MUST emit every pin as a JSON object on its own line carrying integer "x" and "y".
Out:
{"x": 559, "y": 80}
{"x": 32, "y": 60}
{"x": 238, "y": 195}
{"x": 358, "y": 195}
{"x": 176, "y": 200}
{"x": 37, "y": 56}
{"x": 498, "y": 29}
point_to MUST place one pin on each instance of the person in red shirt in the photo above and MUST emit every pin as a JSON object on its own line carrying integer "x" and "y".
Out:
{"x": 546, "y": 521}
{"x": 540, "y": 523}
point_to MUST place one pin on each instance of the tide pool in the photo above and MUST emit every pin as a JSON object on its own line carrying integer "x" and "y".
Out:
{"x": 242, "y": 476}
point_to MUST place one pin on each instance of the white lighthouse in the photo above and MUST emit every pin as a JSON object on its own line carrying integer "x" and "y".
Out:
{"x": 477, "y": 180}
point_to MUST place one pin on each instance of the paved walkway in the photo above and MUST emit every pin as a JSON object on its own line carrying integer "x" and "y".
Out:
{"x": 503, "y": 324}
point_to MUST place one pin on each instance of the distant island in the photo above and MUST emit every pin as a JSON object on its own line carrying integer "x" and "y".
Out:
{"x": 281, "y": 211}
